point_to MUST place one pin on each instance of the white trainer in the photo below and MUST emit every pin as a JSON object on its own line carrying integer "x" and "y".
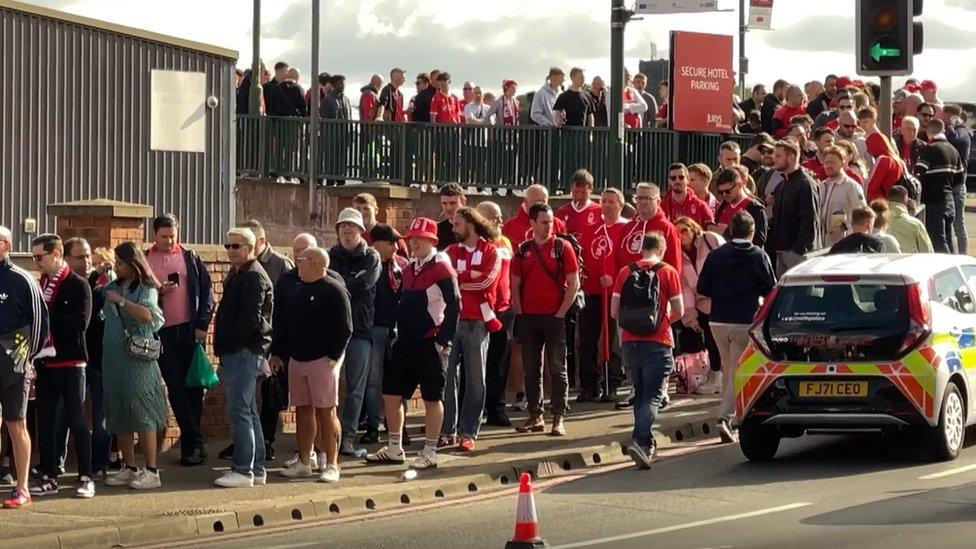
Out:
{"x": 147, "y": 480}
{"x": 122, "y": 478}
{"x": 299, "y": 470}
{"x": 232, "y": 479}
{"x": 330, "y": 474}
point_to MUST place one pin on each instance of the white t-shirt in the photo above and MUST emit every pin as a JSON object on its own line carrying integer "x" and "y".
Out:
{"x": 476, "y": 113}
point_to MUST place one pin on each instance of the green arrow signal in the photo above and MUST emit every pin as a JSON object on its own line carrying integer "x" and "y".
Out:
{"x": 877, "y": 52}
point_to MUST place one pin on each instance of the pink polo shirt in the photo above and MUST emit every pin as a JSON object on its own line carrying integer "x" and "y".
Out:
{"x": 176, "y": 304}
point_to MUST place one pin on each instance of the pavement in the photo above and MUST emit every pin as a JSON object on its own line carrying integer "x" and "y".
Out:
{"x": 189, "y": 505}
{"x": 860, "y": 491}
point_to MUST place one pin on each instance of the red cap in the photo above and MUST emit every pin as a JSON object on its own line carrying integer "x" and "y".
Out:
{"x": 844, "y": 82}
{"x": 859, "y": 84}
{"x": 423, "y": 227}
{"x": 913, "y": 87}
{"x": 928, "y": 85}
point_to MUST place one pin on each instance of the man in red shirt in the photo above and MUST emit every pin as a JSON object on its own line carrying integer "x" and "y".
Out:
{"x": 735, "y": 199}
{"x": 681, "y": 201}
{"x": 370, "y": 98}
{"x": 582, "y": 214}
{"x": 545, "y": 281}
{"x": 519, "y": 229}
{"x": 601, "y": 269}
{"x": 648, "y": 351}
{"x": 476, "y": 262}
{"x": 650, "y": 217}
{"x": 444, "y": 108}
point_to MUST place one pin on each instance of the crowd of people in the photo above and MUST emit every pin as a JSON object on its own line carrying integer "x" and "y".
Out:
{"x": 595, "y": 291}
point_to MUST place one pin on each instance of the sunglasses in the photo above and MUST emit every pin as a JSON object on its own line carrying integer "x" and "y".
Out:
{"x": 38, "y": 258}
{"x": 233, "y": 246}
{"x": 925, "y": 115}
{"x": 676, "y": 177}
{"x": 845, "y": 107}
{"x": 725, "y": 192}
{"x": 849, "y": 126}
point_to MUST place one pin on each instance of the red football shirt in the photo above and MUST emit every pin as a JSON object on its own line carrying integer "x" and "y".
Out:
{"x": 628, "y": 248}
{"x": 540, "y": 293}
{"x": 692, "y": 207}
{"x": 580, "y": 219}
{"x": 669, "y": 286}
{"x": 519, "y": 228}
{"x": 444, "y": 109}
{"x": 598, "y": 254}
{"x": 731, "y": 209}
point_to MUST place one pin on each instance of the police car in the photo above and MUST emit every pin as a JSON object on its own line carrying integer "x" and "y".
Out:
{"x": 856, "y": 342}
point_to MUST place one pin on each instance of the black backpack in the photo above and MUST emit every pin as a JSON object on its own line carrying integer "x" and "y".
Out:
{"x": 911, "y": 183}
{"x": 640, "y": 301}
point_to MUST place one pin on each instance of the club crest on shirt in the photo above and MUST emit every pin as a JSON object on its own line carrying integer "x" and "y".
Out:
{"x": 591, "y": 219}
{"x": 634, "y": 241}
{"x": 600, "y": 247}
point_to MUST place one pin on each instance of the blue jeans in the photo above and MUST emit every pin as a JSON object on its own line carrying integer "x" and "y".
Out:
{"x": 959, "y": 223}
{"x": 356, "y": 365}
{"x": 374, "y": 382}
{"x": 651, "y": 364}
{"x": 938, "y": 223}
{"x": 240, "y": 373}
{"x": 101, "y": 438}
{"x": 470, "y": 348}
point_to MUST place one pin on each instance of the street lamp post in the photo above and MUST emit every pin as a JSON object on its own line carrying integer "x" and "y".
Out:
{"x": 254, "y": 95}
{"x": 313, "y": 124}
{"x": 619, "y": 16}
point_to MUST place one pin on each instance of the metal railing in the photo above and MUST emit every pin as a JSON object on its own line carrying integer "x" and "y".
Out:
{"x": 472, "y": 155}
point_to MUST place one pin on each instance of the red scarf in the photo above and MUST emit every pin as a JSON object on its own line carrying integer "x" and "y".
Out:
{"x": 49, "y": 290}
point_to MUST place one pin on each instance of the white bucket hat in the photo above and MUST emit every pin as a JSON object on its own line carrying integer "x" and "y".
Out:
{"x": 351, "y": 215}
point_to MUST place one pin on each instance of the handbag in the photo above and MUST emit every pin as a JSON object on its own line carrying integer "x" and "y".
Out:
{"x": 201, "y": 374}
{"x": 145, "y": 349}
{"x": 691, "y": 370}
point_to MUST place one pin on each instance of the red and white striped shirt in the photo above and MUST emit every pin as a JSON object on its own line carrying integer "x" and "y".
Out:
{"x": 477, "y": 294}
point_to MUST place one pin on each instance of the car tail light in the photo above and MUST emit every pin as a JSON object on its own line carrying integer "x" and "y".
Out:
{"x": 756, "y": 330}
{"x": 840, "y": 278}
{"x": 920, "y": 318}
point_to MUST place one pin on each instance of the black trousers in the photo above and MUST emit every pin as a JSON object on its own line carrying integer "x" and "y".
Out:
{"x": 498, "y": 364}
{"x": 67, "y": 385}
{"x": 178, "y": 346}
{"x": 590, "y": 327}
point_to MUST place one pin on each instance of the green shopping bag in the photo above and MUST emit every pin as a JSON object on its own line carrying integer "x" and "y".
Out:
{"x": 201, "y": 374}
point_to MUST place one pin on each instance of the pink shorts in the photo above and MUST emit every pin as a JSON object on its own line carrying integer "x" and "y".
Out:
{"x": 314, "y": 383}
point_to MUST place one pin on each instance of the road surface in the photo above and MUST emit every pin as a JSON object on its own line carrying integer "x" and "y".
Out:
{"x": 826, "y": 491}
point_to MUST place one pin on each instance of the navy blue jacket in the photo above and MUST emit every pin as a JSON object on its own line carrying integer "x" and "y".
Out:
{"x": 21, "y": 305}
{"x": 735, "y": 275}
{"x": 360, "y": 269}
{"x": 199, "y": 289}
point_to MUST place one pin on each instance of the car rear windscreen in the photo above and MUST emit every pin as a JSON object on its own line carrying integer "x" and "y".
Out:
{"x": 838, "y": 322}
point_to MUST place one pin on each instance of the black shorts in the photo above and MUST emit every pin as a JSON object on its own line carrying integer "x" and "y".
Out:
{"x": 414, "y": 363}
{"x": 13, "y": 400}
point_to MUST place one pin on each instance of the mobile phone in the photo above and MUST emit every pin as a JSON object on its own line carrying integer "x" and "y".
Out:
{"x": 174, "y": 278}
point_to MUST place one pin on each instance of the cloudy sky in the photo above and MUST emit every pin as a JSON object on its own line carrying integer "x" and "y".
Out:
{"x": 486, "y": 41}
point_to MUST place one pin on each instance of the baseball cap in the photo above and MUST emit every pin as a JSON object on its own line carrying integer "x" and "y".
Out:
{"x": 928, "y": 85}
{"x": 844, "y": 82}
{"x": 384, "y": 233}
{"x": 423, "y": 227}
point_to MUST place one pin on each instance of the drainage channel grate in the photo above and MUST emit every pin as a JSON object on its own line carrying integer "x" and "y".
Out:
{"x": 191, "y": 512}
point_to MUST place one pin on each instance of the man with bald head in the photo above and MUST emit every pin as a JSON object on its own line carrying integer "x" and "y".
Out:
{"x": 519, "y": 229}
{"x": 311, "y": 337}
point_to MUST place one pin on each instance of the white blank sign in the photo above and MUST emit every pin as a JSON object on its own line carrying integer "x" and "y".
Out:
{"x": 178, "y": 107}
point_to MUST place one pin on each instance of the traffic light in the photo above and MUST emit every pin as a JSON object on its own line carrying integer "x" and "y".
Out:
{"x": 888, "y": 37}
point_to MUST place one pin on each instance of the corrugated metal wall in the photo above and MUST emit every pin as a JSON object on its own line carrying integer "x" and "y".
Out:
{"x": 74, "y": 114}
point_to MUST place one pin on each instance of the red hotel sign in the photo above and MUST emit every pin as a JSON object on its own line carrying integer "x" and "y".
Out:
{"x": 701, "y": 82}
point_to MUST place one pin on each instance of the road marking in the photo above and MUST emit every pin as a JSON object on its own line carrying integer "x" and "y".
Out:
{"x": 685, "y": 526}
{"x": 948, "y": 473}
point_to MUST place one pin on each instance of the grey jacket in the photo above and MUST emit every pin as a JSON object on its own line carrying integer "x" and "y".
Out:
{"x": 274, "y": 264}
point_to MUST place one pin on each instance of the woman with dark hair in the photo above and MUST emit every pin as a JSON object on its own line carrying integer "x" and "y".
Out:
{"x": 134, "y": 397}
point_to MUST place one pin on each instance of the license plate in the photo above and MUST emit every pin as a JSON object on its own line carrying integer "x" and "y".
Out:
{"x": 833, "y": 389}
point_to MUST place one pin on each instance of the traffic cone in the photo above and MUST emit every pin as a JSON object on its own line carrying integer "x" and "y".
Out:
{"x": 526, "y": 523}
